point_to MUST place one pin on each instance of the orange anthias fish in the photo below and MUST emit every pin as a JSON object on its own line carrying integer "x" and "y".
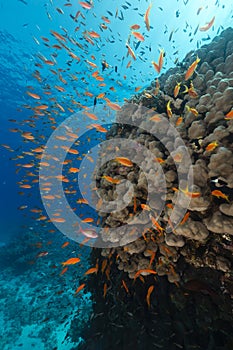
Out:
{"x": 91, "y": 270}
{"x": 85, "y": 5}
{"x": 124, "y": 161}
{"x": 63, "y": 271}
{"x": 211, "y": 146}
{"x": 150, "y": 290}
{"x": 114, "y": 106}
{"x": 89, "y": 233}
{"x": 146, "y": 17}
{"x": 192, "y": 110}
{"x": 207, "y": 26}
{"x": 58, "y": 220}
{"x": 137, "y": 88}
{"x": 188, "y": 193}
{"x": 220, "y": 194}
{"x": 138, "y": 36}
{"x": 94, "y": 34}
{"x": 99, "y": 128}
{"x": 155, "y": 118}
{"x": 161, "y": 58}
{"x": 130, "y": 51}
{"x": 191, "y": 90}
{"x": 91, "y": 115}
{"x": 229, "y": 115}
{"x": 104, "y": 265}
{"x": 158, "y": 66}
{"x": 145, "y": 207}
{"x": 88, "y": 220}
{"x": 149, "y": 271}
{"x": 105, "y": 290}
{"x": 169, "y": 110}
{"x": 156, "y": 224}
{"x": 125, "y": 286}
{"x": 176, "y": 90}
{"x": 33, "y": 95}
{"x": 185, "y": 218}
{"x": 101, "y": 95}
{"x": 191, "y": 194}
{"x": 39, "y": 255}
{"x": 74, "y": 170}
{"x": 111, "y": 180}
{"x": 80, "y": 288}
{"x": 58, "y": 36}
{"x": 179, "y": 121}
{"x": 128, "y": 64}
{"x": 191, "y": 69}
{"x": 73, "y": 151}
{"x": 71, "y": 261}
{"x": 91, "y": 64}
{"x": 135, "y": 27}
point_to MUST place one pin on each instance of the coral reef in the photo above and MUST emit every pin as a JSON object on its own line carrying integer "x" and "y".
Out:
{"x": 204, "y": 237}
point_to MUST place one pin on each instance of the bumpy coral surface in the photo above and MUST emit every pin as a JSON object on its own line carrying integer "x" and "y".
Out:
{"x": 200, "y": 112}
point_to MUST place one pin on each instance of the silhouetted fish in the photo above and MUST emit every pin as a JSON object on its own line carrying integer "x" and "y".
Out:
{"x": 24, "y": 2}
{"x": 95, "y": 101}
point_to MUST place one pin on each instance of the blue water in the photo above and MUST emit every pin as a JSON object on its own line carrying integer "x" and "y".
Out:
{"x": 26, "y": 45}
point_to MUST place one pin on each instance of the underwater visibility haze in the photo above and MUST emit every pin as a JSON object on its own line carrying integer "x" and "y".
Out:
{"x": 116, "y": 150}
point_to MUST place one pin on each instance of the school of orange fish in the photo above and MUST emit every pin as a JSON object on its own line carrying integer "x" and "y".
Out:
{"x": 52, "y": 102}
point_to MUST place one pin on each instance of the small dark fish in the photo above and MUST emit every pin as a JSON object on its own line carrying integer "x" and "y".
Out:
{"x": 116, "y": 69}
{"x": 122, "y": 16}
{"x": 110, "y": 13}
{"x": 205, "y": 39}
{"x": 221, "y": 27}
{"x": 125, "y": 7}
{"x": 95, "y": 101}
{"x": 161, "y": 9}
{"x": 24, "y": 2}
{"x": 73, "y": 17}
{"x": 195, "y": 31}
{"x": 49, "y": 16}
{"x": 137, "y": 45}
{"x": 128, "y": 3}
{"x": 170, "y": 36}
